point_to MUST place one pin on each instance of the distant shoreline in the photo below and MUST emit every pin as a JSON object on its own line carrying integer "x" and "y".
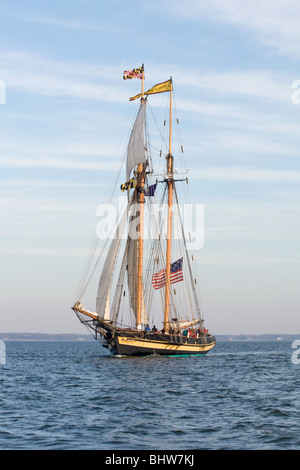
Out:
{"x": 89, "y": 337}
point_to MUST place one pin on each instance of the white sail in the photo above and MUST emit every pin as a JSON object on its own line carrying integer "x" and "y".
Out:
{"x": 107, "y": 271}
{"x": 136, "y": 147}
{"x": 184, "y": 324}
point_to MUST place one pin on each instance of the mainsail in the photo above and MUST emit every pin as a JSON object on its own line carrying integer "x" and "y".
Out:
{"x": 136, "y": 155}
{"x": 136, "y": 152}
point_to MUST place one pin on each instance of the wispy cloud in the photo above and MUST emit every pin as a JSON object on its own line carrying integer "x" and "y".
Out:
{"x": 45, "y": 251}
{"x": 79, "y": 24}
{"x": 234, "y": 259}
{"x": 267, "y": 84}
{"x": 246, "y": 174}
{"x": 276, "y": 23}
{"x": 43, "y": 183}
{"x": 229, "y": 259}
{"x": 62, "y": 163}
{"x": 26, "y": 71}
{"x": 29, "y": 72}
{"x": 272, "y": 23}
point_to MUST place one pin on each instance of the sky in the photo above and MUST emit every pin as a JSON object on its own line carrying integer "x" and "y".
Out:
{"x": 64, "y": 114}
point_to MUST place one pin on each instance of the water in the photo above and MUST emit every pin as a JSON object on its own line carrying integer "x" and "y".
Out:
{"x": 73, "y": 395}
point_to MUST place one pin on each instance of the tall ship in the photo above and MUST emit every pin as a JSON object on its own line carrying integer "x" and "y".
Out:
{"x": 147, "y": 300}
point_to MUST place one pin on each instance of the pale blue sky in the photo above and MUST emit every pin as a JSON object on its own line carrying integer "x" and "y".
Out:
{"x": 66, "y": 120}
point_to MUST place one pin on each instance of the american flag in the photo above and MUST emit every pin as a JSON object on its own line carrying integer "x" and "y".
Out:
{"x": 176, "y": 275}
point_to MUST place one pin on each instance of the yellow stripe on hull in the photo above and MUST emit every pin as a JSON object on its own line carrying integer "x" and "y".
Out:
{"x": 180, "y": 348}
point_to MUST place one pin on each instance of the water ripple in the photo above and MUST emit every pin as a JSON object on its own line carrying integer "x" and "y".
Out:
{"x": 69, "y": 395}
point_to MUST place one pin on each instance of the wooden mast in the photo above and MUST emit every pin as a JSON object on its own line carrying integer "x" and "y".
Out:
{"x": 141, "y": 199}
{"x": 169, "y": 159}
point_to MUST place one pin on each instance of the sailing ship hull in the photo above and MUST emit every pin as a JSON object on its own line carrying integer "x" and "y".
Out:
{"x": 153, "y": 344}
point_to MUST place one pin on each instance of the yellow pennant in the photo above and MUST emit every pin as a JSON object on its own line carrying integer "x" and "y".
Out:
{"x": 159, "y": 88}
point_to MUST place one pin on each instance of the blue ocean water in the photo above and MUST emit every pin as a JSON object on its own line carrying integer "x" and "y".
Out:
{"x": 74, "y": 395}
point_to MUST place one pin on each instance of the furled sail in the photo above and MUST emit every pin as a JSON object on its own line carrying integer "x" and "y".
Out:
{"x": 132, "y": 275}
{"x": 132, "y": 256}
{"x": 107, "y": 309}
{"x": 80, "y": 308}
{"x": 136, "y": 147}
{"x": 184, "y": 324}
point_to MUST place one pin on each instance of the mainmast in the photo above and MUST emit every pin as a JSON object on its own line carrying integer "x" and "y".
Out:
{"x": 141, "y": 199}
{"x": 170, "y": 180}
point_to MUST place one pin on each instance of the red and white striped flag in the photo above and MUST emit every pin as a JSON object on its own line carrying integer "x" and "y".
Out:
{"x": 176, "y": 275}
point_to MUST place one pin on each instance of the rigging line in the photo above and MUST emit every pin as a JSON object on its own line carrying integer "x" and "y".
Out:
{"x": 154, "y": 149}
{"x": 120, "y": 284}
{"x": 154, "y": 247}
{"x": 186, "y": 299}
{"x": 196, "y": 300}
{"x": 147, "y": 288}
{"x": 193, "y": 252}
{"x": 102, "y": 251}
{"x": 148, "y": 146}
{"x": 178, "y": 127}
{"x": 161, "y": 256}
{"x": 189, "y": 264}
{"x": 93, "y": 271}
{"x": 92, "y": 249}
{"x": 95, "y": 240}
{"x": 109, "y": 284}
{"x": 181, "y": 151}
{"x": 124, "y": 153}
{"x": 157, "y": 254}
{"x": 158, "y": 128}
